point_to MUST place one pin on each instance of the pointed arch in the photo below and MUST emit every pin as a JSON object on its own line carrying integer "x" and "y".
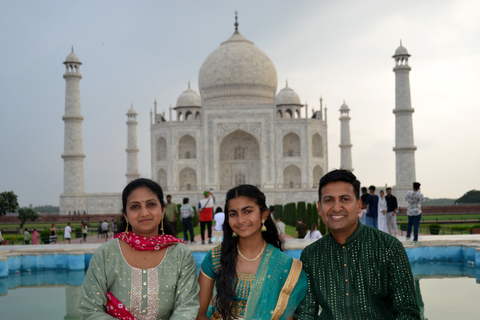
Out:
{"x": 288, "y": 114}
{"x": 279, "y": 114}
{"x": 292, "y": 177}
{"x": 317, "y": 145}
{"x": 198, "y": 116}
{"x": 187, "y": 179}
{"x": 239, "y": 160}
{"x": 317, "y": 174}
{"x": 188, "y": 116}
{"x": 187, "y": 147}
{"x": 162, "y": 178}
{"x": 161, "y": 149}
{"x": 291, "y": 145}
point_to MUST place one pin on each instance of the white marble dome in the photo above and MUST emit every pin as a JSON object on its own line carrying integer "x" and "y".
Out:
{"x": 131, "y": 111}
{"x": 189, "y": 98}
{"x": 237, "y": 68}
{"x": 401, "y": 51}
{"x": 287, "y": 96}
{"x": 344, "y": 107}
{"x": 72, "y": 57}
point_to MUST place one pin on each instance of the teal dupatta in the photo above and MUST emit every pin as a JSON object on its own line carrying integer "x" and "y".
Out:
{"x": 280, "y": 284}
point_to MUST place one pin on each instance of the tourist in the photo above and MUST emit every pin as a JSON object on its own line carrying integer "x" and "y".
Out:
{"x": 26, "y": 236}
{"x": 414, "y": 200}
{"x": 171, "y": 211}
{"x": 272, "y": 210}
{"x": 249, "y": 269}
{"x": 392, "y": 207}
{"x": 84, "y": 231}
{"x": 301, "y": 229}
{"x": 105, "y": 229}
{"x": 187, "y": 213}
{"x": 354, "y": 271}
{"x": 35, "y": 236}
{"x": 363, "y": 213}
{"x": 313, "y": 233}
{"x": 205, "y": 211}
{"x": 141, "y": 273}
{"x": 1, "y": 238}
{"x": 53, "y": 234}
{"x": 219, "y": 219}
{"x": 67, "y": 234}
{"x": 382, "y": 212}
{"x": 99, "y": 230}
{"x": 280, "y": 229}
{"x": 372, "y": 208}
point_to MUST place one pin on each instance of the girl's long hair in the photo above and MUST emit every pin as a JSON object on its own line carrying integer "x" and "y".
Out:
{"x": 157, "y": 190}
{"x": 227, "y": 277}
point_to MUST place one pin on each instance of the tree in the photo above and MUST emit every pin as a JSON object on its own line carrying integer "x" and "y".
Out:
{"x": 472, "y": 196}
{"x": 25, "y": 214}
{"x": 8, "y": 202}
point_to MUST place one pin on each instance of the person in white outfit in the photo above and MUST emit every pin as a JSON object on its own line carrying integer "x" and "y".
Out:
{"x": 382, "y": 212}
{"x": 313, "y": 233}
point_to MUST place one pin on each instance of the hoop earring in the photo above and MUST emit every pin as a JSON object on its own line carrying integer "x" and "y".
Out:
{"x": 126, "y": 229}
{"x": 234, "y": 234}
{"x": 161, "y": 227}
{"x": 263, "y": 226}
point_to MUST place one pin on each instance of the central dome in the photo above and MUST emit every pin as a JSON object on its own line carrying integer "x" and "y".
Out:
{"x": 237, "y": 69}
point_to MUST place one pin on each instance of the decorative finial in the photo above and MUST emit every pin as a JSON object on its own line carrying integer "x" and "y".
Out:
{"x": 72, "y": 49}
{"x": 236, "y": 21}
{"x": 188, "y": 84}
{"x": 286, "y": 81}
{"x": 400, "y": 42}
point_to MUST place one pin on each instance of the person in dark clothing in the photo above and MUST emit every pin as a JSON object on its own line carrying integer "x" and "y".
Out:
{"x": 392, "y": 207}
{"x": 301, "y": 229}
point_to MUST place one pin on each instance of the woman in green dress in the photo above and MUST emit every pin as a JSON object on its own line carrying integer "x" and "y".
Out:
{"x": 141, "y": 273}
{"x": 254, "y": 278}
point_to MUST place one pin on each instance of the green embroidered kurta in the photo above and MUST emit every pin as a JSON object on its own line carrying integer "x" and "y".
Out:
{"x": 368, "y": 277}
{"x": 168, "y": 291}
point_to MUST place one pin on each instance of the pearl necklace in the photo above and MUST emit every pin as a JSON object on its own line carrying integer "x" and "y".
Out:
{"x": 258, "y": 255}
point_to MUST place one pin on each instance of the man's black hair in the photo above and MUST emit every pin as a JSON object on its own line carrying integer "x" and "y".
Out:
{"x": 339, "y": 175}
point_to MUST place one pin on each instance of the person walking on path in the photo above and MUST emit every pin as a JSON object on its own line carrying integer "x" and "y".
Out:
{"x": 171, "y": 211}
{"x": 99, "y": 230}
{"x": 26, "y": 236}
{"x": 68, "y": 233}
{"x": 205, "y": 211}
{"x": 105, "y": 229}
{"x": 382, "y": 212}
{"x": 392, "y": 207}
{"x": 53, "y": 234}
{"x": 84, "y": 231}
{"x": 372, "y": 208}
{"x": 187, "y": 213}
{"x": 414, "y": 211}
{"x": 35, "y": 236}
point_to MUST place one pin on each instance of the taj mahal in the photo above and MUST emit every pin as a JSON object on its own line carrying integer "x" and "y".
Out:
{"x": 235, "y": 129}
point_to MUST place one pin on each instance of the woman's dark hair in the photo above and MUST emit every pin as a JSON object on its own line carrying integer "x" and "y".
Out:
{"x": 227, "y": 276}
{"x": 157, "y": 190}
{"x": 314, "y": 227}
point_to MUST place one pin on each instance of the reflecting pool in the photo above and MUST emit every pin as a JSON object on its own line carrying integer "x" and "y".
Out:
{"x": 444, "y": 291}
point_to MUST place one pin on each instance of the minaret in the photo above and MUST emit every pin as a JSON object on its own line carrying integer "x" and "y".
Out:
{"x": 404, "y": 147}
{"x": 73, "y": 198}
{"x": 132, "y": 150}
{"x": 345, "y": 143}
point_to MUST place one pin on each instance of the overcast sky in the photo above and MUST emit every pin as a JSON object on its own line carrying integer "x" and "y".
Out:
{"x": 134, "y": 52}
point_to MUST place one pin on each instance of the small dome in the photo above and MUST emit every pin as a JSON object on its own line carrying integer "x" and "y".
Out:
{"x": 131, "y": 110}
{"x": 401, "y": 51}
{"x": 287, "y": 96}
{"x": 344, "y": 107}
{"x": 72, "y": 57}
{"x": 189, "y": 98}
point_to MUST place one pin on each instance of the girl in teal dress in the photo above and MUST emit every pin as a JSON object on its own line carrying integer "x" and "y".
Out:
{"x": 254, "y": 278}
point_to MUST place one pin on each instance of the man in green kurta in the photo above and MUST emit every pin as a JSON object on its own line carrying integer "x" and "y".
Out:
{"x": 354, "y": 272}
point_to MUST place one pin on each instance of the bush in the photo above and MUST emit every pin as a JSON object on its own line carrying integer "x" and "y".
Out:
{"x": 404, "y": 226}
{"x": 45, "y": 236}
{"x": 460, "y": 228}
{"x": 434, "y": 228}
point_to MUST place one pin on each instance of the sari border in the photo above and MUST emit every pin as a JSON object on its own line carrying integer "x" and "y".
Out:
{"x": 289, "y": 285}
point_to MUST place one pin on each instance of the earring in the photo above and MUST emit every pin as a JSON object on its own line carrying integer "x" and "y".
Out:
{"x": 161, "y": 227}
{"x": 263, "y": 226}
{"x": 126, "y": 229}
{"x": 234, "y": 234}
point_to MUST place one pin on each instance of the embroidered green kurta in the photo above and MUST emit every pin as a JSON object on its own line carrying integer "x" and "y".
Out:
{"x": 368, "y": 277}
{"x": 168, "y": 291}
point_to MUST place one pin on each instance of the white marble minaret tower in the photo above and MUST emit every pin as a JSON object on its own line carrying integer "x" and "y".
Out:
{"x": 345, "y": 143}
{"x": 72, "y": 201}
{"x": 132, "y": 150}
{"x": 404, "y": 147}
